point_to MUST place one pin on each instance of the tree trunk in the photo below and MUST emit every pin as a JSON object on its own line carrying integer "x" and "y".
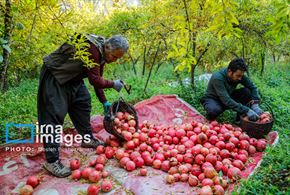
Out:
{"x": 144, "y": 60}
{"x": 134, "y": 62}
{"x": 158, "y": 66}
{"x": 262, "y": 62}
{"x": 7, "y": 36}
{"x": 274, "y": 57}
{"x": 149, "y": 75}
{"x": 177, "y": 74}
{"x": 193, "y": 65}
{"x": 243, "y": 51}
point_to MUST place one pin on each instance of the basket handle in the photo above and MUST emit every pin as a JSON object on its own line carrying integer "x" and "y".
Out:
{"x": 269, "y": 107}
{"x": 117, "y": 107}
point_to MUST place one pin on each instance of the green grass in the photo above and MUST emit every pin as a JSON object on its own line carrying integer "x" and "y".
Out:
{"x": 18, "y": 105}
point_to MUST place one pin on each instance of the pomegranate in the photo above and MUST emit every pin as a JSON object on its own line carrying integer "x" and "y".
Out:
{"x": 234, "y": 173}
{"x": 192, "y": 180}
{"x": 218, "y": 190}
{"x": 106, "y": 185}
{"x": 132, "y": 123}
{"x": 130, "y": 165}
{"x": 253, "y": 141}
{"x": 220, "y": 181}
{"x": 181, "y": 149}
{"x": 76, "y": 175}
{"x": 100, "y": 149}
{"x": 120, "y": 115}
{"x": 32, "y": 181}
{"x": 201, "y": 138}
{"x": 143, "y": 137}
{"x": 218, "y": 166}
{"x": 93, "y": 189}
{"x": 143, "y": 147}
{"x": 184, "y": 177}
{"x": 119, "y": 153}
{"x": 224, "y": 153}
{"x": 213, "y": 139}
{"x": 244, "y": 152}
{"x": 165, "y": 166}
{"x": 234, "y": 140}
{"x": 230, "y": 146}
{"x": 205, "y": 190}
{"x": 205, "y": 165}
{"x": 157, "y": 164}
{"x": 26, "y": 190}
{"x": 204, "y": 151}
{"x": 179, "y": 158}
{"x": 182, "y": 169}
{"x": 220, "y": 144}
{"x": 239, "y": 164}
{"x": 207, "y": 182}
{"x": 101, "y": 159}
{"x": 123, "y": 161}
{"x": 196, "y": 170}
{"x": 92, "y": 163}
{"x": 139, "y": 161}
{"x": 252, "y": 149}
{"x": 180, "y": 133}
{"x": 74, "y": 164}
{"x": 130, "y": 145}
{"x": 188, "y": 158}
{"x": 242, "y": 157}
{"x": 94, "y": 176}
{"x": 109, "y": 152}
{"x": 143, "y": 172}
{"x": 210, "y": 172}
{"x": 261, "y": 145}
{"x": 173, "y": 170}
{"x": 211, "y": 158}
{"x": 99, "y": 167}
{"x": 86, "y": 172}
{"x": 159, "y": 156}
{"x": 199, "y": 159}
{"x": 201, "y": 177}
{"x": 244, "y": 144}
{"x": 105, "y": 174}
{"x": 170, "y": 179}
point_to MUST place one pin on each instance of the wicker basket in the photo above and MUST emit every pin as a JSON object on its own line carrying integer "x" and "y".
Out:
{"x": 257, "y": 130}
{"x": 118, "y": 106}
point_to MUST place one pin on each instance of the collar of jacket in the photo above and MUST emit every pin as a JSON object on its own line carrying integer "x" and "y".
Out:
{"x": 99, "y": 42}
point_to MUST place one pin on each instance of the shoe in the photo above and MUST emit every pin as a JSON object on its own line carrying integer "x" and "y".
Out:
{"x": 94, "y": 143}
{"x": 57, "y": 169}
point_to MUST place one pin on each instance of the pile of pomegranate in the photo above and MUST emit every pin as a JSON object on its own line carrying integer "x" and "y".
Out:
{"x": 207, "y": 155}
{"x": 210, "y": 156}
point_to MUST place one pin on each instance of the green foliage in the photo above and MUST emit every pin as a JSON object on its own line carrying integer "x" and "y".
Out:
{"x": 180, "y": 28}
{"x": 81, "y": 46}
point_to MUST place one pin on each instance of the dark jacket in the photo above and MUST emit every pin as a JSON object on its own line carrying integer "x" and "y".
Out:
{"x": 67, "y": 69}
{"x": 220, "y": 87}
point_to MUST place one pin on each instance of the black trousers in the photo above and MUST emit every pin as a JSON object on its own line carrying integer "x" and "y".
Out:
{"x": 214, "y": 107}
{"x": 55, "y": 101}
